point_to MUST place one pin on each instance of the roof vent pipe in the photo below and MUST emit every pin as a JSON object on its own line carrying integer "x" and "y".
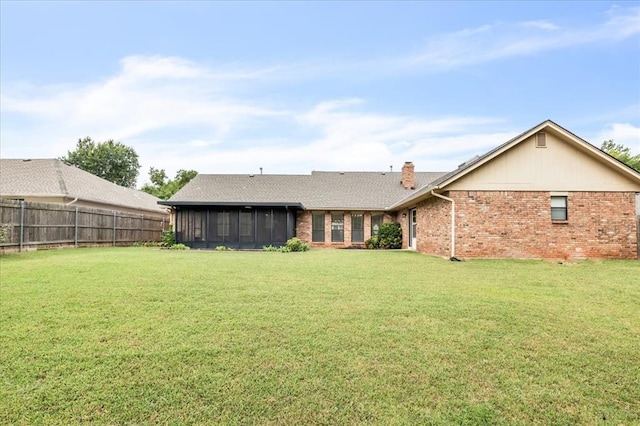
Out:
{"x": 260, "y": 170}
{"x": 391, "y": 168}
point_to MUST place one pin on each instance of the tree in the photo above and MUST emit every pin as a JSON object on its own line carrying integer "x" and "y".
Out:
{"x": 109, "y": 160}
{"x": 164, "y": 188}
{"x": 622, "y": 153}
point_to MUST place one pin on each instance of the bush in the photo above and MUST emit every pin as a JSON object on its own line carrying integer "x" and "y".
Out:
{"x": 179, "y": 247}
{"x": 372, "y": 243}
{"x": 168, "y": 237}
{"x": 223, "y": 248}
{"x": 390, "y": 235}
{"x": 295, "y": 244}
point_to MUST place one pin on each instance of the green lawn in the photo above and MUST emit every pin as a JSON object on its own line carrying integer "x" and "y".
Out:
{"x": 135, "y": 335}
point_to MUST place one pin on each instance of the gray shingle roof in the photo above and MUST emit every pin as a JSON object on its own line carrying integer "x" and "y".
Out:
{"x": 320, "y": 190}
{"x": 51, "y": 177}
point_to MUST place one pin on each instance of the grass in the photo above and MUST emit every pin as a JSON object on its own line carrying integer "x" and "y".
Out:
{"x": 138, "y": 335}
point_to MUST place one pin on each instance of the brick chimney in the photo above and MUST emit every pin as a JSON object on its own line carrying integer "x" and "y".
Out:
{"x": 408, "y": 175}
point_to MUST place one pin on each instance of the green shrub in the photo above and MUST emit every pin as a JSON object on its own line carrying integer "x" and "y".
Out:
{"x": 295, "y": 244}
{"x": 390, "y": 236}
{"x": 372, "y": 243}
{"x": 168, "y": 237}
{"x": 223, "y": 248}
{"x": 179, "y": 247}
{"x": 270, "y": 248}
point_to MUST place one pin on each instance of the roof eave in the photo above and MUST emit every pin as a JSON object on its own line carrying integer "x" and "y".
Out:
{"x": 169, "y": 203}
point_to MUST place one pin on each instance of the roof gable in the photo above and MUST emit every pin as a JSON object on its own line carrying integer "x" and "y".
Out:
{"x": 595, "y": 160}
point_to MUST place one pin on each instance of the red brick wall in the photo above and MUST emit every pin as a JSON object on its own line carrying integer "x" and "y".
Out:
{"x": 499, "y": 224}
{"x": 434, "y": 227}
{"x": 304, "y": 228}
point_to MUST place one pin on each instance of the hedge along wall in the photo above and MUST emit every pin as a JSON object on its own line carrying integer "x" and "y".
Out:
{"x": 27, "y": 226}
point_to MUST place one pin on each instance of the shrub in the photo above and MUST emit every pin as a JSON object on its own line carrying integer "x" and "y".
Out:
{"x": 270, "y": 248}
{"x": 179, "y": 247}
{"x": 390, "y": 235}
{"x": 147, "y": 244}
{"x": 168, "y": 237}
{"x": 372, "y": 243}
{"x": 295, "y": 244}
{"x": 223, "y": 248}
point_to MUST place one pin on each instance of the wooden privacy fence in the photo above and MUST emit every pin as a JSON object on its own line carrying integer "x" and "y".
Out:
{"x": 26, "y": 225}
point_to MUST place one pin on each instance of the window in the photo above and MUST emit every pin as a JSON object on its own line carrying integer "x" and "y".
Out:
{"x": 376, "y": 221}
{"x": 559, "y": 208}
{"x": 337, "y": 227}
{"x": 223, "y": 224}
{"x": 317, "y": 228}
{"x": 357, "y": 228}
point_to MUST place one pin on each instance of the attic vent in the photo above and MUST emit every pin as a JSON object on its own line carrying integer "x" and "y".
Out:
{"x": 541, "y": 140}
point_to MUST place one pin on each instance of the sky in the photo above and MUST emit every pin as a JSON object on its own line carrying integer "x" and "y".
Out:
{"x": 230, "y": 87}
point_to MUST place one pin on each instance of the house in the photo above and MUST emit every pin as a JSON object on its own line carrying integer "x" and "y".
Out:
{"x": 544, "y": 194}
{"x": 52, "y": 181}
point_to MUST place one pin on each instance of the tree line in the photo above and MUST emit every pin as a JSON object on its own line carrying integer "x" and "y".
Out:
{"x": 119, "y": 164}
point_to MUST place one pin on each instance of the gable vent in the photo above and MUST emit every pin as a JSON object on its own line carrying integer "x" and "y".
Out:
{"x": 541, "y": 140}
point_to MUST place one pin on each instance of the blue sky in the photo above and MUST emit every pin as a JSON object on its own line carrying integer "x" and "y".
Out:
{"x": 294, "y": 87}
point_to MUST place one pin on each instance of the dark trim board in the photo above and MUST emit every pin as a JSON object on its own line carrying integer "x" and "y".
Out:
{"x": 246, "y": 228}
{"x": 178, "y": 204}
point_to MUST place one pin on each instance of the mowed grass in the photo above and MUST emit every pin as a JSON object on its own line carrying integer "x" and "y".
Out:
{"x": 135, "y": 335}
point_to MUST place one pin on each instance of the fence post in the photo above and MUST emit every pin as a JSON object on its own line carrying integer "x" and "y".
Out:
{"x": 75, "y": 231}
{"x": 21, "y": 225}
{"x": 114, "y": 227}
{"x": 142, "y": 227}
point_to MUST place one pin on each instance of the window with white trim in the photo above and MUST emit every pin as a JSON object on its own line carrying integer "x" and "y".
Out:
{"x": 559, "y": 210}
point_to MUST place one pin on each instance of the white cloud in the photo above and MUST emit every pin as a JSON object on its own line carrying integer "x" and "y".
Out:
{"x": 541, "y": 25}
{"x": 622, "y": 133}
{"x": 491, "y": 42}
{"x": 181, "y": 114}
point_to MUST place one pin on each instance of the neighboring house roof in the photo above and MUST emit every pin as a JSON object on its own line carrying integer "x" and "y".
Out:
{"x": 319, "y": 190}
{"x": 20, "y": 178}
{"x": 478, "y": 161}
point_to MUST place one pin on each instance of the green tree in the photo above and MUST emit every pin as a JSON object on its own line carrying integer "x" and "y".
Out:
{"x": 622, "y": 153}
{"x": 109, "y": 160}
{"x": 163, "y": 187}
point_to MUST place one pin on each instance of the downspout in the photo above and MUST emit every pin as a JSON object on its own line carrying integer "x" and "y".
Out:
{"x": 72, "y": 201}
{"x": 453, "y": 223}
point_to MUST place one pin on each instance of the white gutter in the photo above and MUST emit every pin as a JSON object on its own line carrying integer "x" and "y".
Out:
{"x": 71, "y": 202}
{"x": 453, "y": 222}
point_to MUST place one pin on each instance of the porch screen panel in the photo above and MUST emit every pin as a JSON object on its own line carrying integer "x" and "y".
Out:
{"x": 218, "y": 225}
{"x": 199, "y": 225}
{"x": 279, "y": 227}
{"x": 263, "y": 225}
{"x": 234, "y": 226}
{"x": 247, "y": 228}
{"x": 192, "y": 226}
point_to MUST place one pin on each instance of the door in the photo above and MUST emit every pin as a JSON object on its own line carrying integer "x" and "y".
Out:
{"x": 413, "y": 229}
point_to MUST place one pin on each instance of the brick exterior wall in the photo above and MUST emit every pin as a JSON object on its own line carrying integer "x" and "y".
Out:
{"x": 304, "y": 228}
{"x": 511, "y": 224}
